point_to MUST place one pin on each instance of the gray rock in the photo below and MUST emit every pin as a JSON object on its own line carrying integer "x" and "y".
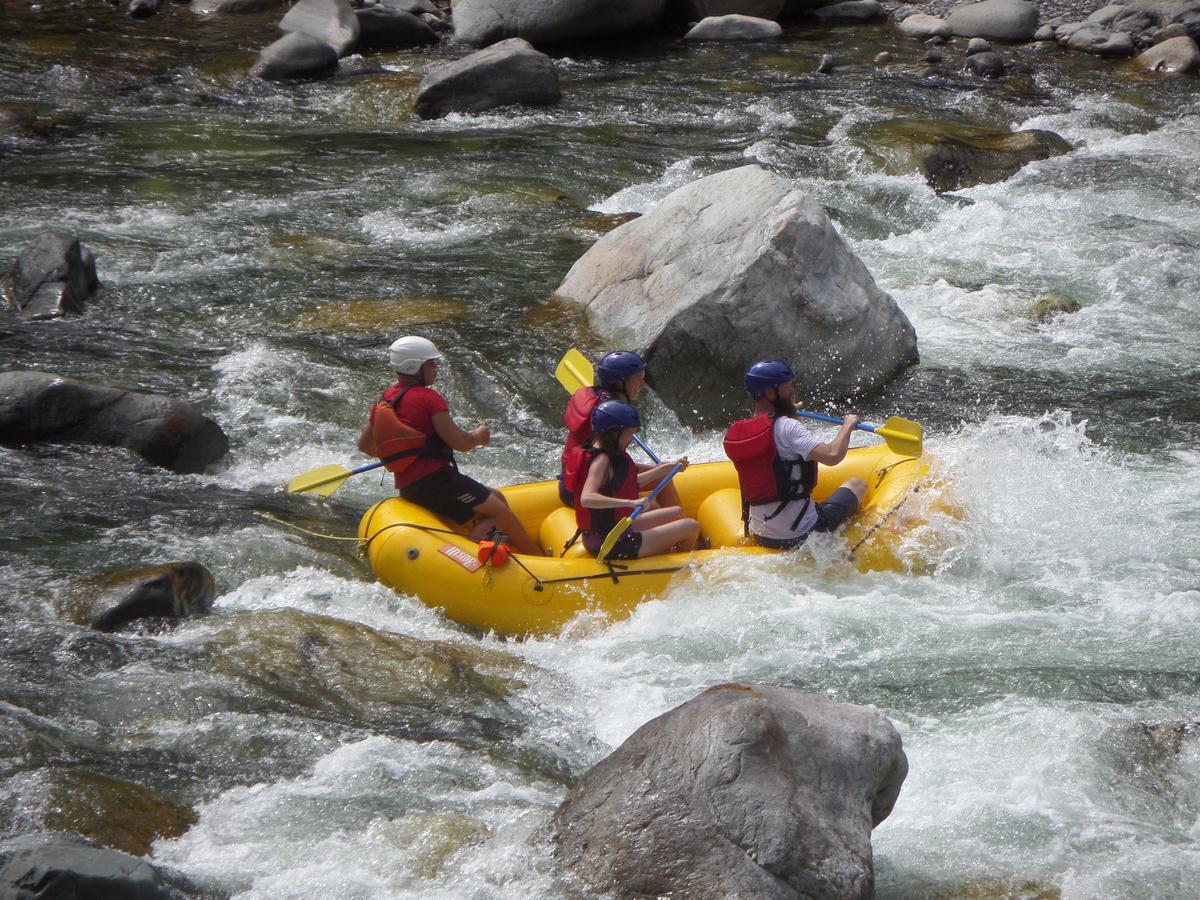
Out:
{"x": 694, "y": 10}
{"x": 1106, "y": 15}
{"x": 1144, "y": 15}
{"x": 1044, "y": 33}
{"x": 43, "y": 407}
{"x": 984, "y": 65}
{"x": 416, "y": 7}
{"x": 63, "y": 866}
{"x": 849, "y": 11}
{"x": 826, "y": 65}
{"x": 1063, "y": 32}
{"x": 1092, "y": 39}
{"x": 1176, "y": 55}
{"x": 163, "y": 593}
{"x": 295, "y": 55}
{"x": 735, "y": 267}
{"x": 734, "y": 28}
{"x": 995, "y": 20}
{"x": 505, "y": 74}
{"x": 546, "y": 21}
{"x": 331, "y": 21}
{"x": 1132, "y": 22}
{"x": 142, "y": 9}
{"x": 54, "y": 276}
{"x": 385, "y": 28}
{"x": 740, "y": 792}
{"x": 977, "y": 45}
{"x": 933, "y": 56}
{"x": 920, "y": 25}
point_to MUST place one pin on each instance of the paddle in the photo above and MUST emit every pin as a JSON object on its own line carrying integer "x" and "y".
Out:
{"x": 574, "y": 371}
{"x": 903, "y": 436}
{"x": 325, "y": 480}
{"x": 621, "y": 527}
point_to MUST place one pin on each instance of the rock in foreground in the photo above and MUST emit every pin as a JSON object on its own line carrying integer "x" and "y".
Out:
{"x": 740, "y": 792}
{"x": 733, "y": 268}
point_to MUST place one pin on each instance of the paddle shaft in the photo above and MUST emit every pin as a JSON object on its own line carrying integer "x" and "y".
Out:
{"x": 863, "y": 426}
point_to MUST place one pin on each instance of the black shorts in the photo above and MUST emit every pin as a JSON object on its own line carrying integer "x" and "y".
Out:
{"x": 627, "y": 546}
{"x": 840, "y": 506}
{"x": 449, "y": 493}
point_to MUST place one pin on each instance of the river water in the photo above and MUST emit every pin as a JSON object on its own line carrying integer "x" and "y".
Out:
{"x": 261, "y": 244}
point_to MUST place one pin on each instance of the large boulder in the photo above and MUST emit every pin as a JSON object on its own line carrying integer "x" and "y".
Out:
{"x": 1095, "y": 40}
{"x": 41, "y": 406}
{"x": 151, "y": 594}
{"x": 732, "y": 268}
{"x": 295, "y": 55}
{"x": 1143, "y": 15}
{"x": 1176, "y": 55}
{"x": 734, "y": 28}
{"x": 546, "y": 21}
{"x": 695, "y": 10}
{"x": 740, "y": 792}
{"x": 996, "y": 20}
{"x": 505, "y": 74}
{"x": 54, "y": 276}
{"x": 331, "y": 21}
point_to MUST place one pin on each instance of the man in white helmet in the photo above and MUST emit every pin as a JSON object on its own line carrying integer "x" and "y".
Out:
{"x": 433, "y": 480}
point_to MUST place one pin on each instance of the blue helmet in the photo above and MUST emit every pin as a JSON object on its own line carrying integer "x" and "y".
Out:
{"x": 615, "y": 367}
{"x": 614, "y": 414}
{"x": 769, "y": 373}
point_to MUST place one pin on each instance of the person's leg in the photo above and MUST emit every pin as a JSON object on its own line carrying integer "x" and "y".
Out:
{"x": 679, "y": 535}
{"x": 668, "y": 496}
{"x": 497, "y": 508}
{"x": 653, "y": 517}
{"x": 841, "y": 505}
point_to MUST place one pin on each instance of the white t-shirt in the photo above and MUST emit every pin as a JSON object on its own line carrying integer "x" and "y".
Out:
{"x": 792, "y": 441}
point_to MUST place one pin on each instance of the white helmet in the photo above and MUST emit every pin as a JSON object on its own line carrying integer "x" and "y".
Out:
{"x": 410, "y": 352}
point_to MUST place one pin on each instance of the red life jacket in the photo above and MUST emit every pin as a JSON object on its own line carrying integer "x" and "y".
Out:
{"x": 762, "y": 475}
{"x": 398, "y": 442}
{"x": 622, "y": 482}
{"x": 578, "y": 419}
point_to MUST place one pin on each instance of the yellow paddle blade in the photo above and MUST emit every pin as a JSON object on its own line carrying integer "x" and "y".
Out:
{"x": 613, "y": 536}
{"x": 903, "y": 436}
{"x": 323, "y": 481}
{"x": 574, "y": 371}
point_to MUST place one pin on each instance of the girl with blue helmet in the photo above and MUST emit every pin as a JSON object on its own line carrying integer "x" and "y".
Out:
{"x": 609, "y": 487}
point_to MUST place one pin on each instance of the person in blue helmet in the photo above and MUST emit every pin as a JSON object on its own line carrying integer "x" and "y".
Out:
{"x": 620, "y": 375}
{"x": 776, "y": 460}
{"x": 607, "y": 490}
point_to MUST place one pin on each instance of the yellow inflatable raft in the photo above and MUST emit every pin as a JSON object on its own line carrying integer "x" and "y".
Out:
{"x": 415, "y": 552}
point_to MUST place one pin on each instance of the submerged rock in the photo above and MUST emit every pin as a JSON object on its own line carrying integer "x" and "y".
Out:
{"x": 295, "y": 55}
{"x": 734, "y": 28}
{"x": 952, "y": 157}
{"x": 163, "y": 593}
{"x": 43, "y": 407}
{"x": 740, "y": 792}
{"x": 546, "y": 21}
{"x": 54, "y": 276}
{"x": 732, "y": 268}
{"x": 505, "y": 74}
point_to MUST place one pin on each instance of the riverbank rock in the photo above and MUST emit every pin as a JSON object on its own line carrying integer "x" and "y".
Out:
{"x": 484, "y": 22}
{"x": 295, "y": 55}
{"x": 695, "y": 10}
{"x": 1144, "y": 16}
{"x": 995, "y": 20}
{"x": 386, "y": 28}
{"x": 732, "y": 268}
{"x": 64, "y": 865}
{"x": 1177, "y": 55}
{"x": 849, "y": 11}
{"x": 952, "y": 157}
{"x": 740, "y": 792}
{"x": 919, "y": 25}
{"x": 162, "y": 594}
{"x": 986, "y": 64}
{"x": 54, "y": 276}
{"x": 734, "y": 28}
{"x": 509, "y": 73}
{"x": 1095, "y": 40}
{"x": 331, "y": 21}
{"x": 37, "y": 407}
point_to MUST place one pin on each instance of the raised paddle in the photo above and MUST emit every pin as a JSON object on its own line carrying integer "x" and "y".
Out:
{"x": 903, "y": 436}
{"x": 325, "y": 480}
{"x": 574, "y": 371}
{"x": 621, "y": 527}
